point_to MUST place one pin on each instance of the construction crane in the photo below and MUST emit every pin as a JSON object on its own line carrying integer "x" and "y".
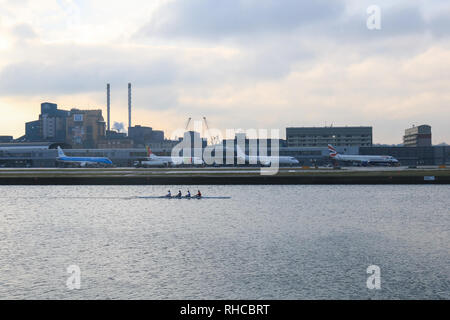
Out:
{"x": 186, "y": 128}
{"x": 188, "y": 123}
{"x": 214, "y": 140}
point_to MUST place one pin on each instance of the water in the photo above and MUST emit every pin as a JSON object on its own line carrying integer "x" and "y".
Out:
{"x": 267, "y": 242}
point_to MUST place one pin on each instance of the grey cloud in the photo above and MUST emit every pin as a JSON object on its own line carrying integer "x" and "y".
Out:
{"x": 440, "y": 24}
{"x": 246, "y": 19}
{"x": 229, "y": 18}
{"x": 405, "y": 20}
{"x": 156, "y": 98}
{"x": 395, "y": 21}
{"x": 66, "y": 69}
{"x": 273, "y": 59}
{"x": 400, "y": 20}
{"x": 23, "y": 32}
{"x": 75, "y": 70}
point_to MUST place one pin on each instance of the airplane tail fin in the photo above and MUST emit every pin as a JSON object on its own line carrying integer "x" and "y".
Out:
{"x": 149, "y": 152}
{"x": 333, "y": 152}
{"x": 60, "y": 152}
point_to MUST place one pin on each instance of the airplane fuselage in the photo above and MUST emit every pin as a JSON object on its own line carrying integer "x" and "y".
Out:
{"x": 157, "y": 161}
{"x": 364, "y": 160}
{"x": 85, "y": 160}
{"x": 266, "y": 160}
{"x": 367, "y": 159}
{"x": 269, "y": 160}
{"x": 82, "y": 161}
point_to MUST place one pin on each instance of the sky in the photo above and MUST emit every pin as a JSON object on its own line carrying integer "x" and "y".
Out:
{"x": 248, "y": 64}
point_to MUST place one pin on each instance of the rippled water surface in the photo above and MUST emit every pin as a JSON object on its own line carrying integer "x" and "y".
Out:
{"x": 266, "y": 242}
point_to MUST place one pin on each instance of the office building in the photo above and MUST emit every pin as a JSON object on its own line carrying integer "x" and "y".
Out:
{"x": 252, "y": 146}
{"x": 322, "y": 136}
{"x": 418, "y": 136}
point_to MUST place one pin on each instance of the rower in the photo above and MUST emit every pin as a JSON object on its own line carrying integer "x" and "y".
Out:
{"x": 199, "y": 194}
{"x": 169, "y": 195}
{"x": 188, "y": 194}
{"x": 179, "y": 195}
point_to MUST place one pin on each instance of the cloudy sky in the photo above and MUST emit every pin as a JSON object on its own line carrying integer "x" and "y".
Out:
{"x": 241, "y": 63}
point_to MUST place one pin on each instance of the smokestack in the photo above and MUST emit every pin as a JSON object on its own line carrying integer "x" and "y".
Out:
{"x": 108, "y": 98}
{"x": 129, "y": 105}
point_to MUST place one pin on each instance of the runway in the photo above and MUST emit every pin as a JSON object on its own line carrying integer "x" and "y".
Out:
{"x": 224, "y": 176}
{"x": 200, "y": 171}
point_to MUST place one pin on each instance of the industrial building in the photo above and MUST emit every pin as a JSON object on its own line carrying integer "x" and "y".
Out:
{"x": 32, "y": 131}
{"x": 51, "y": 125}
{"x": 115, "y": 140}
{"x": 138, "y": 136}
{"x": 78, "y": 128}
{"x": 418, "y": 136}
{"x": 143, "y": 136}
{"x": 322, "y": 136}
{"x": 85, "y": 128}
{"x": 53, "y": 122}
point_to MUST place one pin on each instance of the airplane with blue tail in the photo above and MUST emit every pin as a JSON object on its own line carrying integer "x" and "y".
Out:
{"x": 83, "y": 161}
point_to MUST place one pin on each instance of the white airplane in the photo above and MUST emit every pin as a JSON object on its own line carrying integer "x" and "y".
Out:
{"x": 159, "y": 161}
{"x": 266, "y": 161}
{"x": 364, "y": 160}
{"x": 83, "y": 161}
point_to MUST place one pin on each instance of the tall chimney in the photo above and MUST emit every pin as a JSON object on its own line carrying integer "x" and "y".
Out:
{"x": 108, "y": 98}
{"x": 129, "y": 105}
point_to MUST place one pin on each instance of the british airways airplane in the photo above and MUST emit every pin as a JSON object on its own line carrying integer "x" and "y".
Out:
{"x": 82, "y": 161}
{"x": 364, "y": 160}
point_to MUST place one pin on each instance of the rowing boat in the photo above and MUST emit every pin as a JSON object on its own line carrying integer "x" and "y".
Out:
{"x": 186, "y": 198}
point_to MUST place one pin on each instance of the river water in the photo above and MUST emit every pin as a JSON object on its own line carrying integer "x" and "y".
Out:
{"x": 266, "y": 242}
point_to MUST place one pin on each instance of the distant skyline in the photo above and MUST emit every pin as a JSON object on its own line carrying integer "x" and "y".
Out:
{"x": 241, "y": 63}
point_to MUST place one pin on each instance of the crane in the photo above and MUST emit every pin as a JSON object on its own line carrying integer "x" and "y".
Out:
{"x": 214, "y": 140}
{"x": 186, "y": 128}
{"x": 188, "y": 123}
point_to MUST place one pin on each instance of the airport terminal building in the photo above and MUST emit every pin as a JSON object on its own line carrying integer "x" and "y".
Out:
{"x": 419, "y": 136}
{"x": 323, "y": 136}
{"x": 44, "y": 155}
